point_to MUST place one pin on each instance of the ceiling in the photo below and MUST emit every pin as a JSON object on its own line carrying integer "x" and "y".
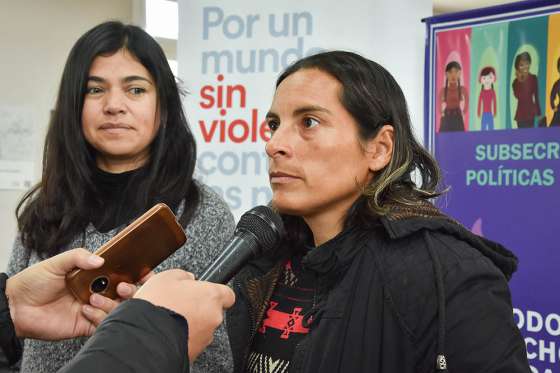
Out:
{"x": 447, "y": 6}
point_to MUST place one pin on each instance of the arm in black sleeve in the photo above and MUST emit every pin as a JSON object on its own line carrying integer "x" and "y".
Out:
{"x": 136, "y": 337}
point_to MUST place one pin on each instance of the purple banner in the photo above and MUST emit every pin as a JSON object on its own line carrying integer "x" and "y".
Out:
{"x": 497, "y": 140}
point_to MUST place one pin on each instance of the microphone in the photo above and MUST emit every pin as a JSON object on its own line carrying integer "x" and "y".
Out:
{"x": 259, "y": 230}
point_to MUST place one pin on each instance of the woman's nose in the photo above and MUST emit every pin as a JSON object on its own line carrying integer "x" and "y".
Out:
{"x": 114, "y": 103}
{"x": 279, "y": 143}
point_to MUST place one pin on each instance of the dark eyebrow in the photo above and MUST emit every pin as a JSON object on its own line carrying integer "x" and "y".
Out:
{"x": 128, "y": 79}
{"x": 271, "y": 115}
{"x": 300, "y": 111}
{"x": 310, "y": 108}
{"x": 94, "y": 78}
{"x": 132, "y": 78}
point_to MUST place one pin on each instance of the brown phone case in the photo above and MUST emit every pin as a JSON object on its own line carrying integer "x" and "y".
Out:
{"x": 131, "y": 254}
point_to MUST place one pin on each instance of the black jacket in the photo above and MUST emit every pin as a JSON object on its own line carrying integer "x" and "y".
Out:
{"x": 137, "y": 337}
{"x": 396, "y": 297}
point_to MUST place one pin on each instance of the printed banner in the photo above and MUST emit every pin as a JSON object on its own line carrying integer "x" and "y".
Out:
{"x": 230, "y": 54}
{"x": 493, "y": 94}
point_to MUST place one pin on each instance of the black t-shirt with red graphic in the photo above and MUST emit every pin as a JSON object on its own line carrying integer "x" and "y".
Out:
{"x": 283, "y": 327}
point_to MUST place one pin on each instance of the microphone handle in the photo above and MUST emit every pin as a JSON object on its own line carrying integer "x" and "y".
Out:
{"x": 240, "y": 249}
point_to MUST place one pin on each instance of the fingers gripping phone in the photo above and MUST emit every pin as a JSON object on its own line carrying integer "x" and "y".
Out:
{"x": 130, "y": 255}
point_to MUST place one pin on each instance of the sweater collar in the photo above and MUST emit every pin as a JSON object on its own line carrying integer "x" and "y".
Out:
{"x": 108, "y": 181}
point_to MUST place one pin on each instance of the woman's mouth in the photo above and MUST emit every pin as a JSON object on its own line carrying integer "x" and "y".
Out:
{"x": 278, "y": 177}
{"x": 114, "y": 127}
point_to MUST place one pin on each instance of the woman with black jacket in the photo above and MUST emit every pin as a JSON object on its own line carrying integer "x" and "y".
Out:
{"x": 371, "y": 276}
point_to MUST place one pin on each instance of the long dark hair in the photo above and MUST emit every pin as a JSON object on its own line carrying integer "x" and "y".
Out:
{"x": 448, "y": 67}
{"x": 54, "y": 211}
{"x": 372, "y": 96}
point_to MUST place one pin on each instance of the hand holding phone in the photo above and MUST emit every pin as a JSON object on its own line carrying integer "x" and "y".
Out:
{"x": 131, "y": 254}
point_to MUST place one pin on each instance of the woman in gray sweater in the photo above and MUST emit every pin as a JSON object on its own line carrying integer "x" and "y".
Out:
{"x": 118, "y": 143}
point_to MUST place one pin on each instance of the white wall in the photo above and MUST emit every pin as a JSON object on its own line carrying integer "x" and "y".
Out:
{"x": 35, "y": 39}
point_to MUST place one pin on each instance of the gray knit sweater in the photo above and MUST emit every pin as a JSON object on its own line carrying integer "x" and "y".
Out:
{"x": 208, "y": 231}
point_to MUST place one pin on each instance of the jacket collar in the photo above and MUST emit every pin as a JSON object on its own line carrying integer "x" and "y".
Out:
{"x": 403, "y": 221}
{"x": 333, "y": 257}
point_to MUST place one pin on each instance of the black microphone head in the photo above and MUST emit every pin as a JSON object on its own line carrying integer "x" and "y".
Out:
{"x": 264, "y": 224}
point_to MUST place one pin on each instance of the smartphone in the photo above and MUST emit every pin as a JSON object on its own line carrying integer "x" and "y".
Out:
{"x": 131, "y": 254}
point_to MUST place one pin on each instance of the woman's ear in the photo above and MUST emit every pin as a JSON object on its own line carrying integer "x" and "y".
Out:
{"x": 379, "y": 150}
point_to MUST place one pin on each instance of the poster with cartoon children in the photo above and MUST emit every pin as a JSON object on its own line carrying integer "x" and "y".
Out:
{"x": 499, "y": 151}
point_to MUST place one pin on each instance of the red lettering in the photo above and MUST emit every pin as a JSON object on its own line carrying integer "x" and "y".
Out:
{"x": 220, "y": 96}
{"x": 231, "y": 130}
{"x": 208, "y": 135}
{"x": 231, "y": 89}
{"x": 206, "y": 94}
{"x": 222, "y": 130}
{"x": 237, "y": 131}
{"x": 254, "y": 124}
{"x": 213, "y": 96}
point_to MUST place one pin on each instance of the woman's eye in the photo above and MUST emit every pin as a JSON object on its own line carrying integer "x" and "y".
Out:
{"x": 137, "y": 91}
{"x": 273, "y": 125}
{"x": 93, "y": 90}
{"x": 310, "y": 122}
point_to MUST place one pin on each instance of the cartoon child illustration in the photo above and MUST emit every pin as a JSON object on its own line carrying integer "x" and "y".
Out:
{"x": 555, "y": 93}
{"x": 454, "y": 99}
{"x": 487, "y": 99}
{"x": 526, "y": 89}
